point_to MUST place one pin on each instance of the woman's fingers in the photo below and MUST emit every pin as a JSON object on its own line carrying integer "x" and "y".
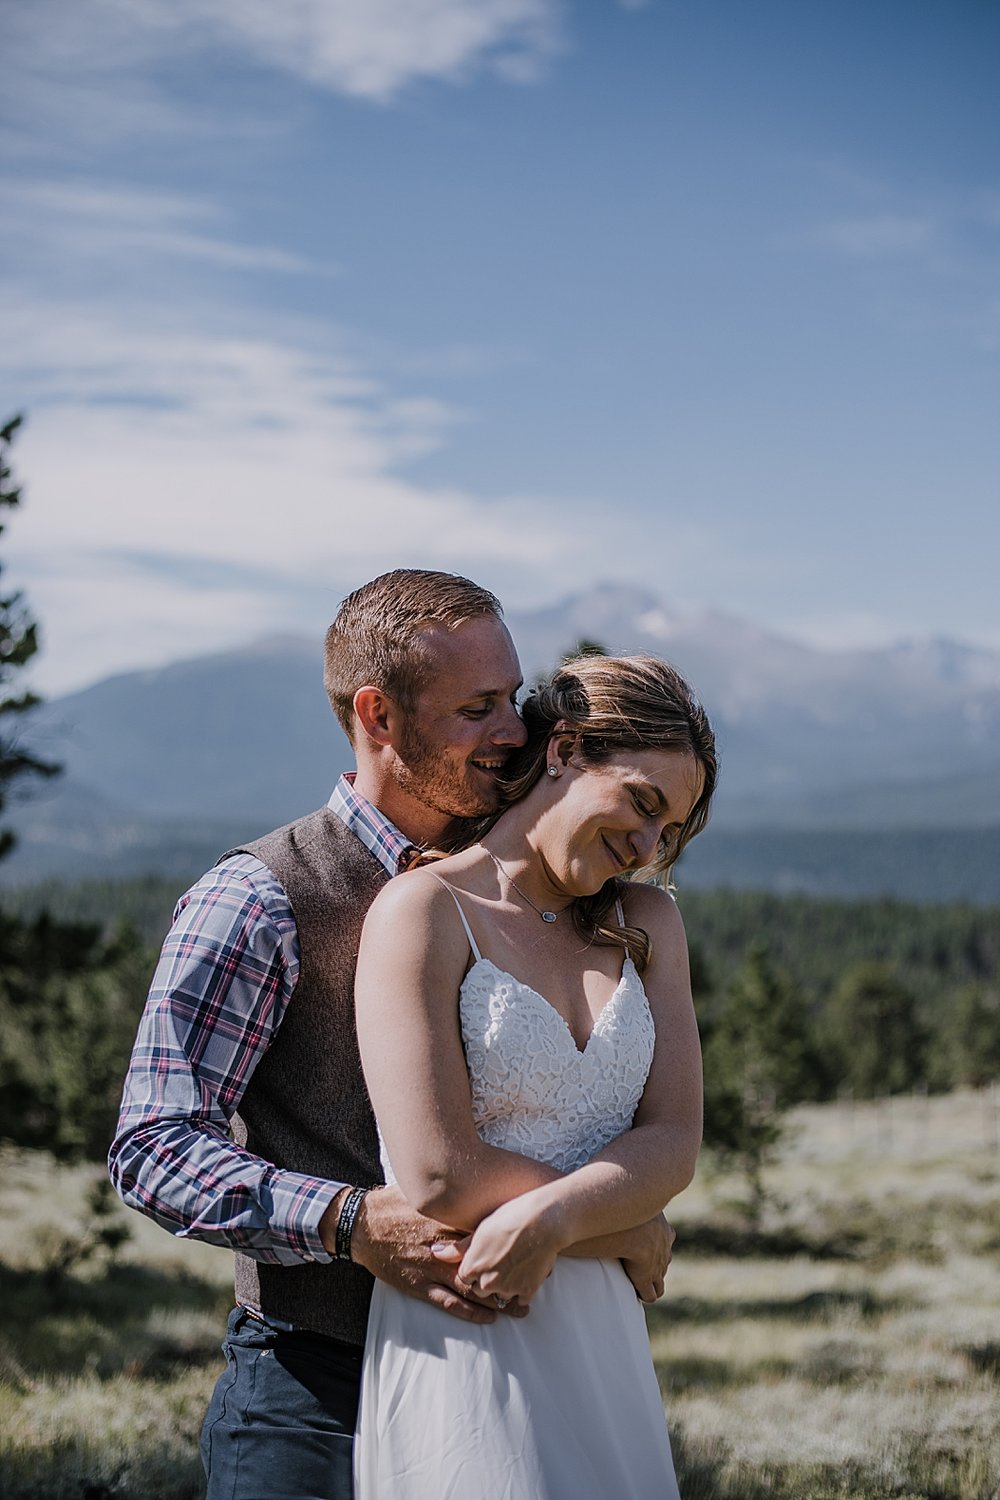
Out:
{"x": 452, "y": 1251}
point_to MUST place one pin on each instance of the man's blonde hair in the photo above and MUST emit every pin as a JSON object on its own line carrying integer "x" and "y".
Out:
{"x": 376, "y": 638}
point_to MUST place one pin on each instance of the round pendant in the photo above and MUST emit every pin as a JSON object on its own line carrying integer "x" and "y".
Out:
{"x": 549, "y": 916}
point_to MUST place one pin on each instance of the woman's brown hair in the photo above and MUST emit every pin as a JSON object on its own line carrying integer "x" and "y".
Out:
{"x": 612, "y": 704}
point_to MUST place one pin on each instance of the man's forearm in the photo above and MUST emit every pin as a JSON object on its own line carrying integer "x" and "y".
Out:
{"x": 226, "y": 972}
{"x": 198, "y": 1184}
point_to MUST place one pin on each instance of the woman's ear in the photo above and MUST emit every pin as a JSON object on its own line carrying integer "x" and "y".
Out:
{"x": 562, "y": 745}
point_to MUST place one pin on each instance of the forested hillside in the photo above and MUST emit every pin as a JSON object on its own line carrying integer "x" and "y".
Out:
{"x": 934, "y": 948}
{"x": 797, "y": 999}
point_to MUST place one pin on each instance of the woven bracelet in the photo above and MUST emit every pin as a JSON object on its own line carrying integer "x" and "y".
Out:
{"x": 345, "y": 1222}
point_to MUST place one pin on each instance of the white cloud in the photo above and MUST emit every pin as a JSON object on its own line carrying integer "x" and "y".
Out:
{"x": 85, "y": 60}
{"x": 374, "y": 48}
{"x": 187, "y": 490}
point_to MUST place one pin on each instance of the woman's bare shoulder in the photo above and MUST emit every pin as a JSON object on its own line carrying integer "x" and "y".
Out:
{"x": 413, "y": 936}
{"x": 650, "y": 903}
{"x": 657, "y": 913}
{"x": 417, "y": 897}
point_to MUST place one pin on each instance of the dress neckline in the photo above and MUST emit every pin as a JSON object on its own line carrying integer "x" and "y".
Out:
{"x": 628, "y": 970}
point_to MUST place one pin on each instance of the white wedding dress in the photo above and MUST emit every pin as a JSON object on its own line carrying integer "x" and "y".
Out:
{"x": 563, "y": 1404}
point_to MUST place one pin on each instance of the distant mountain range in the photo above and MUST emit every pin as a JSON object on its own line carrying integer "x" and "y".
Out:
{"x": 166, "y": 767}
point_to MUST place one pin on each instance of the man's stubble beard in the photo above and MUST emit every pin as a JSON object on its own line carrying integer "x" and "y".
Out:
{"x": 426, "y": 774}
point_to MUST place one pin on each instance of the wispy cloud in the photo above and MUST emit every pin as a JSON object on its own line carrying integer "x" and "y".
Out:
{"x": 105, "y": 220}
{"x": 93, "y": 66}
{"x": 879, "y": 235}
{"x": 188, "y": 490}
{"x": 927, "y": 252}
{"x": 252, "y": 461}
{"x": 880, "y": 218}
{"x": 371, "y": 49}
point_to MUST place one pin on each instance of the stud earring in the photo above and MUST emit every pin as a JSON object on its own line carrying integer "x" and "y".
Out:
{"x": 552, "y": 770}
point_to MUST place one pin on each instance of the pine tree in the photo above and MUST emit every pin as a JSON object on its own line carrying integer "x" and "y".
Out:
{"x": 875, "y": 1028}
{"x": 18, "y": 644}
{"x": 69, "y": 998}
{"x": 971, "y": 1037}
{"x": 757, "y": 1063}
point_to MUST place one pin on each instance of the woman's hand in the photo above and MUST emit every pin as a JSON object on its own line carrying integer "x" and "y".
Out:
{"x": 646, "y": 1264}
{"x": 513, "y": 1250}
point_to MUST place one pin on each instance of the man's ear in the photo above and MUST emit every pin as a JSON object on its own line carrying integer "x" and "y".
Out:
{"x": 376, "y": 714}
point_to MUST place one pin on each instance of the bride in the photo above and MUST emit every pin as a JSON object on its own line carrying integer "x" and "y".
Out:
{"x": 530, "y": 1047}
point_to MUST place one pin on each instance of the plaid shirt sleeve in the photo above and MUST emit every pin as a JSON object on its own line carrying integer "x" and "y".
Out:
{"x": 226, "y": 973}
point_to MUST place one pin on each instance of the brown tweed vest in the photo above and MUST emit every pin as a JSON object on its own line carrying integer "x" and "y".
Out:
{"x": 306, "y": 1107}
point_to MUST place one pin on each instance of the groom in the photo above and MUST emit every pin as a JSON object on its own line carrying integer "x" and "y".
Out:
{"x": 244, "y": 1119}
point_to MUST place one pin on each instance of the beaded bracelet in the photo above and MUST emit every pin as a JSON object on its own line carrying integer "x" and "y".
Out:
{"x": 345, "y": 1222}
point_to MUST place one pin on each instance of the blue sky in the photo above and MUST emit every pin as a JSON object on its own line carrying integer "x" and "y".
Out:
{"x": 702, "y": 295}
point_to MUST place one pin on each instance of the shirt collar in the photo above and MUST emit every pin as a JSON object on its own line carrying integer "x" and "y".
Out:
{"x": 371, "y": 826}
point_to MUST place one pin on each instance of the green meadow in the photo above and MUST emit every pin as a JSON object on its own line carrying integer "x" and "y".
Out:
{"x": 846, "y": 1346}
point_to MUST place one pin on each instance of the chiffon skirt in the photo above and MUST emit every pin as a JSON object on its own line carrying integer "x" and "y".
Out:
{"x": 561, "y": 1405}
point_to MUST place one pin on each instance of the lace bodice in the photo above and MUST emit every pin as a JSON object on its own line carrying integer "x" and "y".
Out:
{"x": 533, "y": 1090}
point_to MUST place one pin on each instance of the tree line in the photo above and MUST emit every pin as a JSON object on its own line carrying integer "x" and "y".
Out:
{"x": 798, "y": 999}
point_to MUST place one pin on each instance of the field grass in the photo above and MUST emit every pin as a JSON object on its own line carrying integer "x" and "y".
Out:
{"x": 852, "y": 1346}
{"x": 849, "y": 1347}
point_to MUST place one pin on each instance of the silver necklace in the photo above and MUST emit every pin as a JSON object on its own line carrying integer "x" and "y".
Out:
{"x": 546, "y": 916}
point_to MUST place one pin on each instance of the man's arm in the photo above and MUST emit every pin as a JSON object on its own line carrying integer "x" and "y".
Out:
{"x": 226, "y": 973}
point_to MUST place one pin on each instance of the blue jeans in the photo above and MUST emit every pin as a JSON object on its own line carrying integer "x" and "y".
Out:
{"x": 281, "y": 1421}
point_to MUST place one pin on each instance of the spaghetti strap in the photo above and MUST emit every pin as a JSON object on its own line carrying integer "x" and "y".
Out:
{"x": 468, "y": 930}
{"x": 621, "y": 922}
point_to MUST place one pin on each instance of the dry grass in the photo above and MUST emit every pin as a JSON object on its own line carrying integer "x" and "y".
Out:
{"x": 105, "y": 1370}
{"x": 867, "y": 1365}
{"x": 850, "y": 1350}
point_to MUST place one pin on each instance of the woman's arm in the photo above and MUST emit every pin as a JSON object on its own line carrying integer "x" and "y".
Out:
{"x": 635, "y": 1176}
{"x": 645, "y": 1253}
{"x": 413, "y": 956}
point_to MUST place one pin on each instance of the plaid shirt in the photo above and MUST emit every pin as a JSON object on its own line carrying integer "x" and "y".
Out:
{"x": 227, "y": 971}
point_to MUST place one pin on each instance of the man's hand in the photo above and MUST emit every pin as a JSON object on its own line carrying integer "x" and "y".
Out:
{"x": 649, "y": 1256}
{"x": 394, "y": 1243}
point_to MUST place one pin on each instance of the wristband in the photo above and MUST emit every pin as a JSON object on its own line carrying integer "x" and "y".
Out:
{"x": 345, "y": 1222}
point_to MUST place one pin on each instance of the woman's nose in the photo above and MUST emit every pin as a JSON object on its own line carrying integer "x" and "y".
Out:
{"x": 644, "y": 842}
